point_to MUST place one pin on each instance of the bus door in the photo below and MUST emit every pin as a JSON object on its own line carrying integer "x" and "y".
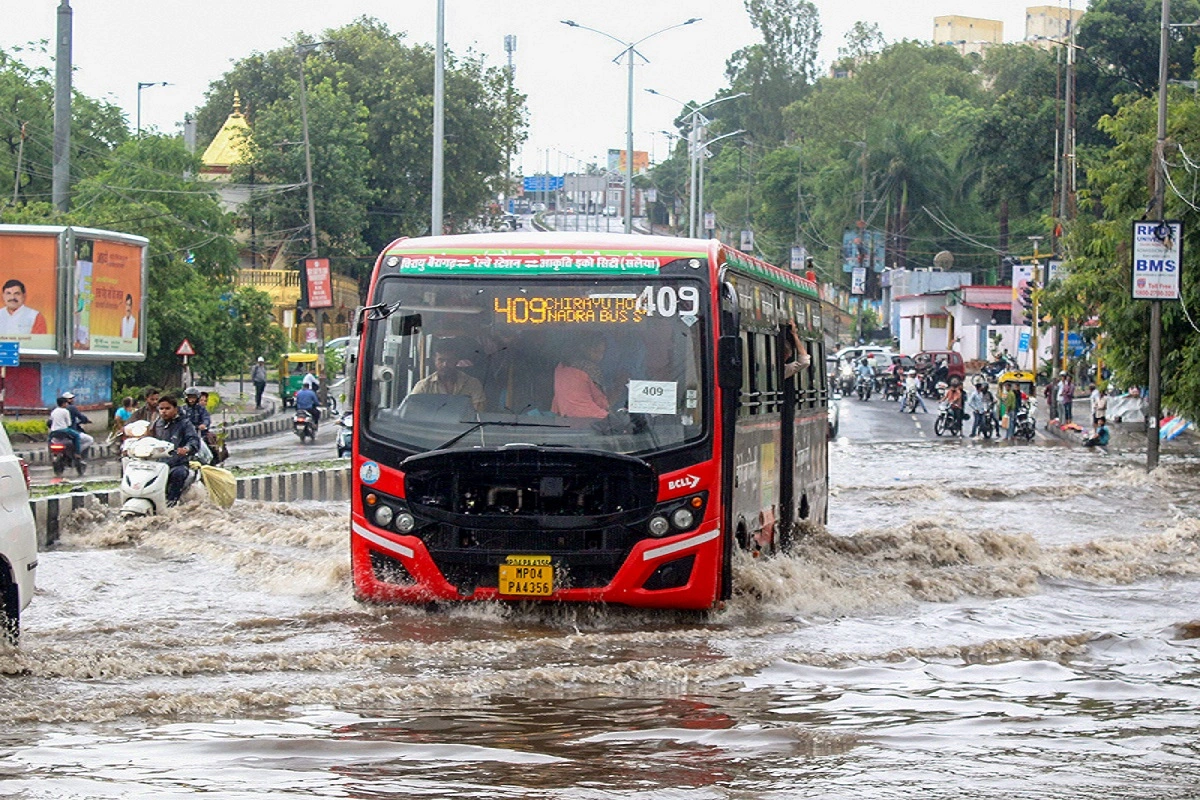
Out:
{"x": 785, "y": 352}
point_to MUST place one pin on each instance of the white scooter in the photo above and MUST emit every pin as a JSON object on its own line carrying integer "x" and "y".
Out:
{"x": 144, "y": 472}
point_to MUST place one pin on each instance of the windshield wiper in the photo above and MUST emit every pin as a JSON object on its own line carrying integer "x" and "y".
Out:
{"x": 505, "y": 422}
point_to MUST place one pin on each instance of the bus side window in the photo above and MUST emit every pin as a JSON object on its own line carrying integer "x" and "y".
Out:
{"x": 763, "y": 369}
{"x": 747, "y": 395}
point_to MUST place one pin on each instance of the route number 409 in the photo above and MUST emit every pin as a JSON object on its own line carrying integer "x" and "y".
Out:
{"x": 667, "y": 301}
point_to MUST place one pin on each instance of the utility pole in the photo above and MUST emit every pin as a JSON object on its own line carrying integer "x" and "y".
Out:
{"x": 439, "y": 121}
{"x": 302, "y": 51}
{"x": 1160, "y": 146}
{"x": 60, "y": 186}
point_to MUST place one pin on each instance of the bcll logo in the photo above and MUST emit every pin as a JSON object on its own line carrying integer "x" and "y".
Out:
{"x": 686, "y": 482}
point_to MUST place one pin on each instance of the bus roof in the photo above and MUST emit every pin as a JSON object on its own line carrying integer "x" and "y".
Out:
{"x": 567, "y": 252}
{"x": 549, "y": 242}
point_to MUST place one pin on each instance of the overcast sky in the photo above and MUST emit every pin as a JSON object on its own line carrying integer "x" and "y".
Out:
{"x": 576, "y": 95}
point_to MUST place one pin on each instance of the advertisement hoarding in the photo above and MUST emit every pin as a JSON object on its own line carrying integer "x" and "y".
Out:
{"x": 319, "y": 282}
{"x": 1157, "y": 259}
{"x": 29, "y": 259}
{"x": 108, "y": 273}
{"x": 641, "y": 160}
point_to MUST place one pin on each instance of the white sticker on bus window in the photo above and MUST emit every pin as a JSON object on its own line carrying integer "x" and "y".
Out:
{"x": 652, "y": 397}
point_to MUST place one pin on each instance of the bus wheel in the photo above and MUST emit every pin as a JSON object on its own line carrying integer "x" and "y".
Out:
{"x": 743, "y": 536}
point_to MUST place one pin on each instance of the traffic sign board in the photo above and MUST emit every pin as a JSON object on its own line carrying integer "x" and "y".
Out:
{"x": 10, "y": 354}
{"x": 543, "y": 183}
{"x": 185, "y": 349}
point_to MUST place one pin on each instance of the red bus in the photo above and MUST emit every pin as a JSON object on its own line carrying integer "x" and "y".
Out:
{"x": 581, "y": 417}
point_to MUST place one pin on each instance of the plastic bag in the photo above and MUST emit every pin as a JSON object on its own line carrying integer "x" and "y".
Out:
{"x": 220, "y": 483}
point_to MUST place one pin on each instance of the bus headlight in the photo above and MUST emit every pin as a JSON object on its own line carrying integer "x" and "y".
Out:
{"x": 683, "y": 518}
{"x": 383, "y": 516}
{"x": 659, "y": 526}
{"x": 405, "y": 522}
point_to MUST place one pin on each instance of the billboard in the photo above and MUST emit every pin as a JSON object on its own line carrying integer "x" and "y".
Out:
{"x": 1157, "y": 259}
{"x": 107, "y": 273}
{"x": 641, "y": 160}
{"x": 866, "y": 249}
{"x": 29, "y": 260}
{"x": 318, "y": 282}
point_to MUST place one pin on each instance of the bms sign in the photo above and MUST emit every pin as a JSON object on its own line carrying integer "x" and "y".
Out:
{"x": 1157, "y": 260}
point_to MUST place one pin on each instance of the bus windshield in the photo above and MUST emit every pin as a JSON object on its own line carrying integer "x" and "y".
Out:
{"x": 603, "y": 364}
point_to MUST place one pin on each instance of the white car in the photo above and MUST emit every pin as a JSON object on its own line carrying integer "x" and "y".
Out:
{"x": 18, "y": 541}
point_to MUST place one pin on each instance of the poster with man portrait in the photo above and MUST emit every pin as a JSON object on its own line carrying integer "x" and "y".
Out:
{"x": 108, "y": 278}
{"x": 29, "y": 281}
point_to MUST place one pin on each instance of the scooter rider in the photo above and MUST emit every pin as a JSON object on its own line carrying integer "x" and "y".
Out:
{"x": 912, "y": 386}
{"x": 865, "y": 372}
{"x": 195, "y": 411}
{"x": 306, "y": 400}
{"x": 78, "y": 418}
{"x": 954, "y": 398}
{"x": 173, "y": 427}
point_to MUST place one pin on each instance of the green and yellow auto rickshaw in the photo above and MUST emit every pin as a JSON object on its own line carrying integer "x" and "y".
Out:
{"x": 292, "y": 369}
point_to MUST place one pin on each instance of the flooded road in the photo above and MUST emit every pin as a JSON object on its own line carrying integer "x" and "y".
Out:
{"x": 1011, "y": 622}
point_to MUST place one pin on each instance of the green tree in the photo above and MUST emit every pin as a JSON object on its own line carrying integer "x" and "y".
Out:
{"x": 1098, "y": 271}
{"x": 27, "y": 129}
{"x": 365, "y": 66}
{"x": 774, "y": 73}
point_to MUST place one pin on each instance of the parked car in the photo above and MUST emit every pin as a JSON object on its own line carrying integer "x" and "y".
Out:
{"x": 18, "y": 541}
{"x": 955, "y": 368}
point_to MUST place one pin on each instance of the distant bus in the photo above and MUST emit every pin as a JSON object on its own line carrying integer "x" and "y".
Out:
{"x": 581, "y": 418}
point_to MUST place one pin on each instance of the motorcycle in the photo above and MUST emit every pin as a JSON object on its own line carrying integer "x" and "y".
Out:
{"x": 1026, "y": 425}
{"x": 846, "y": 378}
{"x": 948, "y": 421}
{"x": 63, "y": 454}
{"x": 863, "y": 386}
{"x": 144, "y": 473}
{"x": 891, "y": 386}
{"x": 989, "y": 426}
{"x": 304, "y": 425}
{"x": 345, "y": 434}
{"x": 994, "y": 369}
{"x": 909, "y": 403}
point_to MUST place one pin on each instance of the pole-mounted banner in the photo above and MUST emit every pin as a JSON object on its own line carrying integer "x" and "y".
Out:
{"x": 1157, "y": 259}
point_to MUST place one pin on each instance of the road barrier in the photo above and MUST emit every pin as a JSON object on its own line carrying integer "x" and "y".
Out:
{"x": 280, "y": 487}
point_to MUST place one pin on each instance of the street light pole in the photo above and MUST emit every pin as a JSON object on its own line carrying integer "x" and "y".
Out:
{"x": 630, "y": 51}
{"x": 144, "y": 85}
{"x": 700, "y": 156}
{"x": 693, "y": 142}
{"x": 439, "y": 122}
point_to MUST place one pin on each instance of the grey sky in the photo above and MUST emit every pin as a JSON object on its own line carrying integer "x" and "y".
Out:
{"x": 576, "y": 95}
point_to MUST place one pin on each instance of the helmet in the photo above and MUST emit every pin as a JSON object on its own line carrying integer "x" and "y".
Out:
{"x": 941, "y": 384}
{"x": 955, "y": 381}
{"x": 191, "y": 391}
{"x": 911, "y": 372}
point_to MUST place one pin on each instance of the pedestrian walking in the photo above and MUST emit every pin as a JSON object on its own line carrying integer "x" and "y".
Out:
{"x": 1066, "y": 396}
{"x": 258, "y": 376}
{"x": 1052, "y": 394}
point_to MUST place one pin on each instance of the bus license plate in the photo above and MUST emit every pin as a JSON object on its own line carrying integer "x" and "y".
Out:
{"x": 526, "y": 576}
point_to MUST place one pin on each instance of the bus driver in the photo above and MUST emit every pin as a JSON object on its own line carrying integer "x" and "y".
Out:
{"x": 447, "y": 378}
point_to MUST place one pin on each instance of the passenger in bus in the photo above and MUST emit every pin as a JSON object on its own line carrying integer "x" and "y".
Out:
{"x": 448, "y": 378}
{"x": 578, "y": 382}
{"x": 795, "y": 355}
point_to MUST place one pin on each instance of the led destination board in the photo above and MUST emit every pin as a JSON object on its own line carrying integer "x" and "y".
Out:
{"x": 603, "y": 308}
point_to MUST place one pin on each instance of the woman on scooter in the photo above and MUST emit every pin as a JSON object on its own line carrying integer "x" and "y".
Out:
{"x": 176, "y": 429}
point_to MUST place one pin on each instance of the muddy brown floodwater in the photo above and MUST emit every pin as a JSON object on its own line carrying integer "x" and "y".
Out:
{"x": 991, "y": 622}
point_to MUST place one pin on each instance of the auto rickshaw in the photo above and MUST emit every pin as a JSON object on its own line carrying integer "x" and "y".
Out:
{"x": 292, "y": 369}
{"x": 1021, "y": 379}
{"x": 1025, "y": 382}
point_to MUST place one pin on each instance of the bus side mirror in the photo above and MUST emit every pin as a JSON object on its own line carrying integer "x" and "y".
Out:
{"x": 729, "y": 362}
